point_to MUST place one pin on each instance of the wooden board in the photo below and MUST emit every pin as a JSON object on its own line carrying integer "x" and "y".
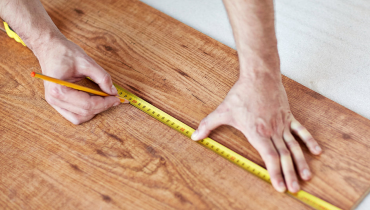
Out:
{"x": 124, "y": 159}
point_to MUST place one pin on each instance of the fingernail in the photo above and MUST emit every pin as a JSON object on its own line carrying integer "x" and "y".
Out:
{"x": 114, "y": 90}
{"x": 306, "y": 173}
{"x": 195, "y": 135}
{"x": 318, "y": 148}
{"x": 116, "y": 104}
{"x": 295, "y": 186}
{"x": 282, "y": 187}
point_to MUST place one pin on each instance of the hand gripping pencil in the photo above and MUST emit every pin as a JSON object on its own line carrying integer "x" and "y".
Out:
{"x": 75, "y": 86}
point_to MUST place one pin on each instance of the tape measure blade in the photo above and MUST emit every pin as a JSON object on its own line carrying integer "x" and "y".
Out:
{"x": 313, "y": 201}
{"x": 155, "y": 112}
{"x": 218, "y": 148}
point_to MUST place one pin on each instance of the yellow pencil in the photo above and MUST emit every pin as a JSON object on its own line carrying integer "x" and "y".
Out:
{"x": 74, "y": 86}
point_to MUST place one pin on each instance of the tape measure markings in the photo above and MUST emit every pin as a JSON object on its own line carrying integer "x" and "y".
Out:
{"x": 218, "y": 148}
{"x": 225, "y": 152}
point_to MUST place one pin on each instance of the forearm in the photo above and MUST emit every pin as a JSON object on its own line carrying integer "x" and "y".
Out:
{"x": 30, "y": 21}
{"x": 254, "y": 32}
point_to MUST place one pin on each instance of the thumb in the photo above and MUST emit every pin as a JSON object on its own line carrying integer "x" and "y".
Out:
{"x": 209, "y": 123}
{"x": 102, "y": 78}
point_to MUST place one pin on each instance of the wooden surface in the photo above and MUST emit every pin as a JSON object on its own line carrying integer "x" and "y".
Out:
{"x": 124, "y": 159}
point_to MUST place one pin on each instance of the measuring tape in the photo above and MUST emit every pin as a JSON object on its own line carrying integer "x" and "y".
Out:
{"x": 223, "y": 151}
{"x": 12, "y": 34}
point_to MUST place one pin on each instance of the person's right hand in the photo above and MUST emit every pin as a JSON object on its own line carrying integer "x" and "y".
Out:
{"x": 62, "y": 59}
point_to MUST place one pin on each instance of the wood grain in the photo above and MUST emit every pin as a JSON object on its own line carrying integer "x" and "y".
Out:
{"x": 124, "y": 159}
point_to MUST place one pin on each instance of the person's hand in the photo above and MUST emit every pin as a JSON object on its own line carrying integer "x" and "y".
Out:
{"x": 259, "y": 108}
{"x": 65, "y": 60}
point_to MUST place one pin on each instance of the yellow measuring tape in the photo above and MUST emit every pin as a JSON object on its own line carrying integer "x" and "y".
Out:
{"x": 225, "y": 152}
{"x": 12, "y": 34}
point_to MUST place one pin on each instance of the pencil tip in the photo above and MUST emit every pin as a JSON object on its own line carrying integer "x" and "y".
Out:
{"x": 124, "y": 101}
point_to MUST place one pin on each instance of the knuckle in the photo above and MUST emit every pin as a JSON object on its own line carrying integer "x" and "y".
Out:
{"x": 289, "y": 114}
{"x": 93, "y": 104}
{"x": 86, "y": 62}
{"x": 290, "y": 176}
{"x": 291, "y": 173}
{"x": 55, "y": 93}
{"x": 275, "y": 174}
{"x": 109, "y": 104}
{"x": 272, "y": 155}
{"x": 106, "y": 106}
{"x": 107, "y": 78}
{"x": 311, "y": 141}
{"x": 204, "y": 123}
{"x": 263, "y": 130}
{"x": 87, "y": 106}
{"x": 84, "y": 112}
{"x": 294, "y": 125}
{"x": 284, "y": 152}
{"x": 293, "y": 144}
{"x": 300, "y": 129}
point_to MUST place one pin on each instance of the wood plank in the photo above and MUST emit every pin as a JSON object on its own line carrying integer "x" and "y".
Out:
{"x": 123, "y": 159}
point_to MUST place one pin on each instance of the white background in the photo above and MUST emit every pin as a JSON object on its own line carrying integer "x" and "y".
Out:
{"x": 324, "y": 45}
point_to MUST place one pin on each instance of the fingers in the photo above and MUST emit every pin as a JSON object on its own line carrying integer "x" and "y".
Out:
{"x": 306, "y": 137}
{"x": 100, "y": 77}
{"x": 297, "y": 154}
{"x": 271, "y": 158}
{"x": 77, "y": 102}
{"x": 73, "y": 118}
{"x": 287, "y": 166}
{"x": 279, "y": 152}
{"x": 212, "y": 121}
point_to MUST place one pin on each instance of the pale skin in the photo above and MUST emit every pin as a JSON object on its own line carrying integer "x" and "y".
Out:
{"x": 257, "y": 104}
{"x": 59, "y": 58}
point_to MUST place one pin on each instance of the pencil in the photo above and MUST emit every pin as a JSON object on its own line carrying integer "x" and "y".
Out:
{"x": 75, "y": 86}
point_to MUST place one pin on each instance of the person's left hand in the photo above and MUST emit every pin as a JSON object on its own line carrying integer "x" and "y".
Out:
{"x": 258, "y": 107}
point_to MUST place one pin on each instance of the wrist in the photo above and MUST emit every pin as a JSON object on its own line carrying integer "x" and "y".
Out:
{"x": 260, "y": 74}
{"x": 254, "y": 66}
{"x": 261, "y": 78}
{"x": 43, "y": 43}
